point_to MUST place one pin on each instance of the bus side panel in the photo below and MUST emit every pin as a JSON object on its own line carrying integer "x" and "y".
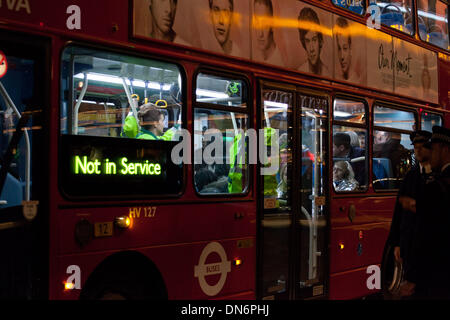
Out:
{"x": 350, "y": 285}
{"x": 183, "y": 267}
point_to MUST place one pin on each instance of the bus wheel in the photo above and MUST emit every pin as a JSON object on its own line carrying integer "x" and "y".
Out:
{"x": 391, "y": 274}
{"x": 125, "y": 276}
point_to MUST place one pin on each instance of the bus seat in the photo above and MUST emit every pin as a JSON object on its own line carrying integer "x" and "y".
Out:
{"x": 12, "y": 192}
{"x": 438, "y": 39}
{"x": 386, "y": 164}
{"x": 356, "y": 9}
{"x": 410, "y": 28}
{"x": 423, "y": 31}
{"x": 392, "y": 18}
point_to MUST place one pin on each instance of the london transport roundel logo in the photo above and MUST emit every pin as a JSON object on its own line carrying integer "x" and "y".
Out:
{"x": 202, "y": 270}
{"x": 3, "y": 64}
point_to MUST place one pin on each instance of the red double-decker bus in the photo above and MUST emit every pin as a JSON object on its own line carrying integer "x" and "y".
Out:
{"x": 101, "y": 199}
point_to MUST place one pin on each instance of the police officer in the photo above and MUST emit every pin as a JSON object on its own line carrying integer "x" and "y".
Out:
{"x": 428, "y": 274}
{"x": 403, "y": 220}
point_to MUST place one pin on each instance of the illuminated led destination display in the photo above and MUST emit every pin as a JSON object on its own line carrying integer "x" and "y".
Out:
{"x": 83, "y": 166}
{"x": 101, "y": 167}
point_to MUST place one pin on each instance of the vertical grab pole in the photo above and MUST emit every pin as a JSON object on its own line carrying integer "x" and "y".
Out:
{"x": 77, "y": 106}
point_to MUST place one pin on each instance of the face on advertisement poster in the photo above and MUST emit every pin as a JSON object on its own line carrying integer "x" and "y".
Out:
{"x": 157, "y": 19}
{"x": 349, "y": 50}
{"x": 228, "y": 21}
{"x": 315, "y": 35}
{"x": 265, "y": 47}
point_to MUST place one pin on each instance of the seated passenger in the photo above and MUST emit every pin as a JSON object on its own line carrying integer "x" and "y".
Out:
{"x": 151, "y": 119}
{"x": 343, "y": 149}
{"x": 343, "y": 177}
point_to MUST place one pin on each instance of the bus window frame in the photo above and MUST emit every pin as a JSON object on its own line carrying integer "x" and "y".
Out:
{"x": 385, "y": 104}
{"x": 118, "y": 51}
{"x": 248, "y": 110}
{"x": 365, "y": 126}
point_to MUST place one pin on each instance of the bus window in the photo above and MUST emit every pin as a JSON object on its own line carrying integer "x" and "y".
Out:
{"x": 349, "y": 110}
{"x": 429, "y": 120}
{"x": 392, "y": 150}
{"x": 120, "y": 116}
{"x": 393, "y": 118}
{"x": 103, "y": 91}
{"x": 433, "y": 22}
{"x": 356, "y": 6}
{"x": 220, "y": 152}
{"x": 350, "y": 165}
{"x": 397, "y": 14}
{"x": 220, "y": 135}
{"x": 221, "y": 91}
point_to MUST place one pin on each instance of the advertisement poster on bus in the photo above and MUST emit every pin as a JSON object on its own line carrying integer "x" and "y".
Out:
{"x": 267, "y": 38}
{"x": 215, "y": 25}
{"x": 415, "y": 71}
{"x": 307, "y": 35}
{"x": 349, "y": 50}
{"x": 379, "y": 60}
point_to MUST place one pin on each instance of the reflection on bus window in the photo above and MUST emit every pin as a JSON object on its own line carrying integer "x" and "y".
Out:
{"x": 108, "y": 91}
{"x": 433, "y": 22}
{"x": 276, "y": 116}
{"x": 356, "y": 6}
{"x": 221, "y": 91}
{"x": 397, "y": 14}
{"x": 392, "y": 118}
{"x": 348, "y": 110}
{"x": 429, "y": 120}
{"x": 220, "y": 152}
{"x": 392, "y": 158}
{"x": 349, "y": 146}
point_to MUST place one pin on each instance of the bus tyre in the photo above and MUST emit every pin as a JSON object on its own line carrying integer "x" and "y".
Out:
{"x": 126, "y": 276}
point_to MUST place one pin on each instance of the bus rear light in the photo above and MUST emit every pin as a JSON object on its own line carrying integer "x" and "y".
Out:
{"x": 360, "y": 235}
{"x": 341, "y": 245}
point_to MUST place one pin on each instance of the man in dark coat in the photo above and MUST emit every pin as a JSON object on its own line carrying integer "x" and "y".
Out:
{"x": 428, "y": 274}
{"x": 403, "y": 220}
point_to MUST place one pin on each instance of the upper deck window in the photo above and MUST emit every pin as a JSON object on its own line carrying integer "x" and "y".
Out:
{"x": 221, "y": 91}
{"x": 397, "y": 14}
{"x": 433, "y": 22}
{"x": 356, "y": 6}
{"x": 120, "y": 117}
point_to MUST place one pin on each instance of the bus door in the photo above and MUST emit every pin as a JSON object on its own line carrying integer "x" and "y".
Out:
{"x": 22, "y": 94}
{"x": 311, "y": 190}
{"x": 293, "y": 221}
